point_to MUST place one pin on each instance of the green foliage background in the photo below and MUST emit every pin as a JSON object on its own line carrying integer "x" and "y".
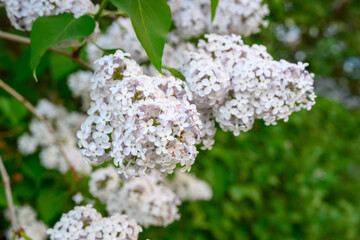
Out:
{"x": 295, "y": 180}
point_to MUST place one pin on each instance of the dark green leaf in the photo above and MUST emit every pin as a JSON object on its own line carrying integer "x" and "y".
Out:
{"x": 60, "y": 66}
{"x": 12, "y": 109}
{"x": 50, "y": 31}
{"x": 50, "y": 203}
{"x": 174, "y": 72}
{"x": 109, "y": 51}
{"x": 31, "y": 168}
{"x": 214, "y": 4}
{"x": 151, "y": 21}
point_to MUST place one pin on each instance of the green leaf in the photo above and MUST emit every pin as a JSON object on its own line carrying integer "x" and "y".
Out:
{"x": 61, "y": 66}
{"x": 151, "y": 21}
{"x": 174, "y": 72}
{"x": 214, "y": 4}
{"x": 50, "y": 31}
{"x": 50, "y": 203}
{"x": 12, "y": 110}
{"x": 31, "y": 168}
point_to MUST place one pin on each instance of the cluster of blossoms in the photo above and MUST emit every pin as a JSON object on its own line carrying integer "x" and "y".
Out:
{"x": 23, "y": 13}
{"x": 104, "y": 182}
{"x": 65, "y": 124}
{"x": 235, "y": 84}
{"x": 140, "y": 122}
{"x": 27, "y": 220}
{"x": 189, "y": 188}
{"x": 84, "y": 222}
{"x": 146, "y": 200}
{"x": 193, "y": 18}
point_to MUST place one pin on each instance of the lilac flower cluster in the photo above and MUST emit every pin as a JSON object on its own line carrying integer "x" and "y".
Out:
{"x": 146, "y": 200}
{"x": 84, "y": 222}
{"x": 193, "y": 18}
{"x": 23, "y": 13}
{"x": 140, "y": 122}
{"x": 234, "y": 84}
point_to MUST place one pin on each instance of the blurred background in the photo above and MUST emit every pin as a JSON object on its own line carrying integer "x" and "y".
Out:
{"x": 295, "y": 180}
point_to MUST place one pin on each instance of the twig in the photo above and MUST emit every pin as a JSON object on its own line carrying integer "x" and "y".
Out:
{"x": 103, "y": 5}
{"x": 32, "y": 109}
{"x": 25, "y": 40}
{"x": 117, "y": 13}
{"x": 9, "y": 199}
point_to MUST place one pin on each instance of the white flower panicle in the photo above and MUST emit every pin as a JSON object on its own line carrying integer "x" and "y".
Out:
{"x": 79, "y": 84}
{"x": 116, "y": 227}
{"x": 193, "y": 18}
{"x": 140, "y": 122}
{"x": 65, "y": 125}
{"x": 76, "y": 224}
{"x": 23, "y": 13}
{"x": 103, "y": 182}
{"x": 242, "y": 17}
{"x": 258, "y": 87}
{"x": 189, "y": 188}
{"x": 32, "y": 227}
{"x": 146, "y": 200}
{"x": 84, "y": 222}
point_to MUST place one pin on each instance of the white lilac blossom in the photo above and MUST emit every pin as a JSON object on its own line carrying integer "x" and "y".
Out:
{"x": 254, "y": 85}
{"x": 140, "y": 122}
{"x": 79, "y": 84}
{"x": 32, "y": 227}
{"x": 65, "y": 125}
{"x": 23, "y": 13}
{"x": 146, "y": 200}
{"x": 103, "y": 182}
{"x": 189, "y": 188}
{"x": 84, "y": 222}
{"x": 193, "y": 18}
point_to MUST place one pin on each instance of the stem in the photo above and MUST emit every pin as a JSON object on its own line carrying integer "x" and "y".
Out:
{"x": 103, "y": 5}
{"x": 25, "y": 40}
{"x": 113, "y": 13}
{"x": 9, "y": 199}
{"x": 32, "y": 109}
